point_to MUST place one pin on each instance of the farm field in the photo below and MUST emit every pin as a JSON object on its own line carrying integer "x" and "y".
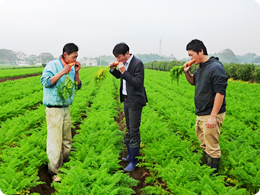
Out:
{"x": 170, "y": 151}
{"x": 6, "y": 73}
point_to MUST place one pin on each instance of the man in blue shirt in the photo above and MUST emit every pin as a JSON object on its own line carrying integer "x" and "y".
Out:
{"x": 57, "y": 107}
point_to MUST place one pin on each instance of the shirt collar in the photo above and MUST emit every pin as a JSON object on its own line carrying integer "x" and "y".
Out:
{"x": 129, "y": 60}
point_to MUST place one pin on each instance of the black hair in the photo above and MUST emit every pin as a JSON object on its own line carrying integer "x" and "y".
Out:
{"x": 120, "y": 48}
{"x": 69, "y": 48}
{"x": 197, "y": 45}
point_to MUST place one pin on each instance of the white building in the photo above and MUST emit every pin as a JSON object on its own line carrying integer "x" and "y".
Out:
{"x": 91, "y": 62}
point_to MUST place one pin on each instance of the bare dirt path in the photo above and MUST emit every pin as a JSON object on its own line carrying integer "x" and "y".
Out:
{"x": 19, "y": 77}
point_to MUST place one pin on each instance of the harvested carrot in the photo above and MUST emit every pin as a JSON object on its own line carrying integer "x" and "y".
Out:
{"x": 191, "y": 62}
{"x": 102, "y": 72}
{"x": 176, "y": 71}
{"x": 115, "y": 63}
{"x": 72, "y": 64}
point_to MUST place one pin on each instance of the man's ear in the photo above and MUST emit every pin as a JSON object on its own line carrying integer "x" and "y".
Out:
{"x": 65, "y": 54}
{"x": 201, "y": 52}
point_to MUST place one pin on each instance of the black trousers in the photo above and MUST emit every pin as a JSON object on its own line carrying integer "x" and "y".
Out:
{"x": 133, "y": 120}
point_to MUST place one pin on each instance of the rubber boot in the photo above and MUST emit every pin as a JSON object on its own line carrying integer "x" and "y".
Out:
{"x": 133, "y": 153}
{"x": 213, "y": 163}
{"x": 204, "y": 158}
{"x": 126, "y": 159}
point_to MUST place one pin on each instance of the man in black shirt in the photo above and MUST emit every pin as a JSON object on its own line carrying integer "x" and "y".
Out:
{"x": 210, "y": 82}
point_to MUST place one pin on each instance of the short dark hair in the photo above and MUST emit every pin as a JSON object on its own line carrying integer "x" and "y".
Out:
{"x": 120, "y": 48}
{"x": 69, "y": 48}
{"x": 197, "y": 45}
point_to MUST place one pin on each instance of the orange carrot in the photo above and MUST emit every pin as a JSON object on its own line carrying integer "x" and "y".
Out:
{"x": 115, "y": 63}
{"x": 72, "y": 64}
{"x": 191, "y": 62}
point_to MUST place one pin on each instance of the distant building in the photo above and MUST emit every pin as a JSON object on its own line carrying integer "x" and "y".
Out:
{"x": 23, "y": 64}
{"x": 90, "y": 62}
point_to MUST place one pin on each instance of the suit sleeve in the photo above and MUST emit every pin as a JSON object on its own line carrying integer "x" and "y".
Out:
{"x": 137, "y": 79}
{"x": 115, "y": 73}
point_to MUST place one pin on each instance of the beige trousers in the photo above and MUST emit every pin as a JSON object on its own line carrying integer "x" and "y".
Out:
{"x": 209, "y": 137}
{"x": 58, "y": 136}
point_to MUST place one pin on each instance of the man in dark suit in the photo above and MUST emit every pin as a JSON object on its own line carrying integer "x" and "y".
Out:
{"x": 132, "y": 93}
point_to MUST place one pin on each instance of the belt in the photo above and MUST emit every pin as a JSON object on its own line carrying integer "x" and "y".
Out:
{"x": 57, "y": 106}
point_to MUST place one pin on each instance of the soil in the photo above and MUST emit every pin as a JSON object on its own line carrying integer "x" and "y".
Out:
{"x": 18, "y": 77}
{"x": 44, "y": 189}
{"x": 139, "y": 173}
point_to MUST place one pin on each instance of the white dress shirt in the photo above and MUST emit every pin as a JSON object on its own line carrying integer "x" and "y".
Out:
{"x": 124, "y": 81}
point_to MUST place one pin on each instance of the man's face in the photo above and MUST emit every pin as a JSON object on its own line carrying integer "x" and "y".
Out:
{"x": 122, "y": 58}
{"x": 196, "y": 56}
{"x": 70, "y": 58}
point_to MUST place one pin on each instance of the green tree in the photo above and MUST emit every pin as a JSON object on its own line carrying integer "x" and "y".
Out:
{"x": 45, "y": 57}
{"x": 7, "y": 56}
{"x": 31, "y": 59}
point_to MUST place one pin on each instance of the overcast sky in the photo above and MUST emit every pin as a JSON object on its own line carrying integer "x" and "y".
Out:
{"x": 96, "y": 26}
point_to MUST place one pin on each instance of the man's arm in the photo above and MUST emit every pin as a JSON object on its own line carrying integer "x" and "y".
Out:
{"x": 188, "y": 75}
{"x": 48, "y": 78}
{"x": 77, "y": 67}
{"x": 114, "y": 71}
{"x": 218, "y": 101}
{"x": 56, "y": 77}
{"x": 137, "y": 80}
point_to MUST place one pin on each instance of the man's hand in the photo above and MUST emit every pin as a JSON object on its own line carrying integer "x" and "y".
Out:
{"x": 112, "y": 66}
{"x": 77, "y": 66}
{"x": 66, "y": 69}
{"x": 211, "y": 123}
{"x": 121, "y": 68}
{"x": 186, "y": 67}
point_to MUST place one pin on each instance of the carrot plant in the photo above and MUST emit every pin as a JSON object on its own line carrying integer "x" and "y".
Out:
{"x": 7, "y": 73}
{"x": 170, "y": 149}
{"x": 101, "y": 74}
{"x": 94, "y": 165}
{"x": 177, "y": 112}
{"x": 176, "y": 71}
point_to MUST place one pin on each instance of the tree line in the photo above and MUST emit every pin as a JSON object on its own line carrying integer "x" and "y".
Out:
{"x": 15, "y": 58}
{"x": 244, "y": 72}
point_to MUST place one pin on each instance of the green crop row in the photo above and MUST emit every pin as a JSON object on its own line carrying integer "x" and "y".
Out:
{"x": 14, "y": 108}
{"x": 93, "y": 168}
{"x": 244, "y": 72}
{"x": 18, "y": 89}
{"x": 176, "y": 111}
{"x": 23, "y": 144}
{"x": 6, "y": 73}
{"x": 170, "y": 149}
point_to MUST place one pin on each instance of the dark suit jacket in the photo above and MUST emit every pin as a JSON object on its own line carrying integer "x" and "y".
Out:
{"x": 134, "y": 77}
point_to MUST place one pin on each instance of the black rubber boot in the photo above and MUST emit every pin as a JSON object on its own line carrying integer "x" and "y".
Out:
{"x": 213, "y": 163}
{"x": 133, "y": 153}
{"x": 204, "y": 158}
{"x": 126, "y": 159}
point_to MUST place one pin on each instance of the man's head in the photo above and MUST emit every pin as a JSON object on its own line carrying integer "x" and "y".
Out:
{"x": 197, "y": 50}
{"x": 70, "y": 53}
{"x": 121, "y": 52}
